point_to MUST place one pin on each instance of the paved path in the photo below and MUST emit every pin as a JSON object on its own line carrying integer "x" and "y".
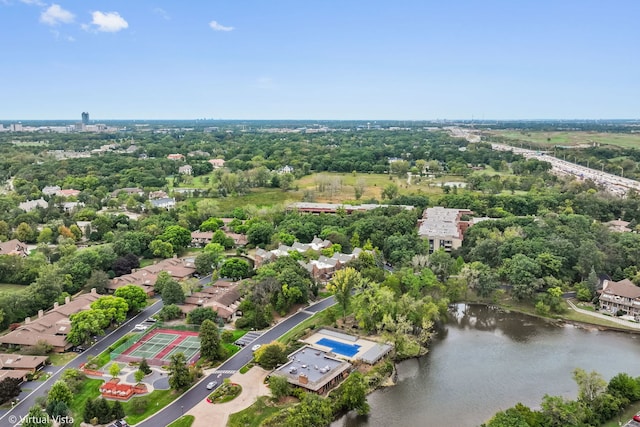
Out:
{"x": 10, "y": 418}
{"x": 625, "y": 323}
{"x": 210, "y": 415}
{"x": 199, "y": 392}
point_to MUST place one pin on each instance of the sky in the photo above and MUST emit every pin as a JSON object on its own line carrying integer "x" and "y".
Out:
{"x": 320, "y": 59}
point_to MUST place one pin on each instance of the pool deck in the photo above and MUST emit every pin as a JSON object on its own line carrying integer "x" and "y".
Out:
{"x": 365, "y": 345}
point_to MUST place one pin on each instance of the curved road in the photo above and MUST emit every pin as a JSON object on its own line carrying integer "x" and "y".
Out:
{"x": 11, "y": 417}
{"x": 199, "y": 392}
{"x": 189, "y": 399}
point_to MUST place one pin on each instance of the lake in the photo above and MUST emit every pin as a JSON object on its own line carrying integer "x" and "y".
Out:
{"x": 486, "y": 360}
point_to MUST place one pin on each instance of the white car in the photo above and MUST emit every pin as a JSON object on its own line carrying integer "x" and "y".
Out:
{"x": 140, "y": 327}
{"x": 256, "y": 347}
{"x": 211, "y": 385}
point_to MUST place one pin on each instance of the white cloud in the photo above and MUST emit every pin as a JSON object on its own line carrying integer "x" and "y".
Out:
{"x": 108, "y": 22}
{"x": 219, "y": 27}
{"x": 163, "y": 13}
{"x": 33, "y": 2}
{"x": 55, "y": 15}
{"x": 59, "y": 36}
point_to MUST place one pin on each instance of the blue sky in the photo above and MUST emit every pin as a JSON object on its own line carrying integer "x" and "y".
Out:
{"x": 320, "y": 59}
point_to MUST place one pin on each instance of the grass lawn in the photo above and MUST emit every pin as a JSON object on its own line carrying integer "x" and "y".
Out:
{"x": 90, "y": 390}
{"x": 146, "y": 262}
{"x": 157, "y": 400}
{"x": 317, "y": 319}
{"x": 231, "y": 349}
{"x": 571, "y": 138}
{"x": 374, "y": 185}
{"x": 60, "y": 359}
{"x": 185, "y": 421}
{"x": 255, "y": 414}
{"x": 10, "y": 287}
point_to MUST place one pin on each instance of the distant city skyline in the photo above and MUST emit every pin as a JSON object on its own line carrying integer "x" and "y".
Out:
{"x": 331, "y": 60}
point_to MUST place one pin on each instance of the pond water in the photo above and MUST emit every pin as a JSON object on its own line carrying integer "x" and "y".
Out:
{"x": 486, "y": 360}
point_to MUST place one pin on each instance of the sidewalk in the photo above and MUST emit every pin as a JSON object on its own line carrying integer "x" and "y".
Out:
{"x": 626, "y": 323}
{"x": 217, "y": 415}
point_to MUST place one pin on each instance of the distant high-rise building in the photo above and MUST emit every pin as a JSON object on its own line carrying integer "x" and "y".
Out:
{"x": 85, "y": 118}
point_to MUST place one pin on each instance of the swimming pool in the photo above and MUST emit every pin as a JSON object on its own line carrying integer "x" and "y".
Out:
{"x": 348, "y": 350}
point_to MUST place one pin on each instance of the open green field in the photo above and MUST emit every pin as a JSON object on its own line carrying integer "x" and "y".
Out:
{"x": 9, "y": 287}
{"x": 626, "y": 140}
{"x": 90, "y": 390}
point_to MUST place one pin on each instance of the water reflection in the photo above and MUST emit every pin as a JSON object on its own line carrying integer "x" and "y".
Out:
{"x": 485, "y": 360}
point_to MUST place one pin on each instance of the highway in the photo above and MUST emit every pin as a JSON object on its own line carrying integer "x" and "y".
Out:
{"x": 11, "y": 417}
{"x": 199, "y": 391}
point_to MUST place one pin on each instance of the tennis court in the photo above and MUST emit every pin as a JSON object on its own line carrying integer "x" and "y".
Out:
{"x": 160, "y": 344}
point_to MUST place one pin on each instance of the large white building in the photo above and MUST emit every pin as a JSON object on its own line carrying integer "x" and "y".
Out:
{"x": 443, "y": 227}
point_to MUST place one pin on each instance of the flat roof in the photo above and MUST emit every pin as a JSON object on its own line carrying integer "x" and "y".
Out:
{"x": 315, "y": 364}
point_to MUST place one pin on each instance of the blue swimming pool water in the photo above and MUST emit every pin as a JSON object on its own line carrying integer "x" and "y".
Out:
{"x": 348, "y": 350}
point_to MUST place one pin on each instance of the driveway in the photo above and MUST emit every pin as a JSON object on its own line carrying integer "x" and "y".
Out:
{"x": 210, "y": 415}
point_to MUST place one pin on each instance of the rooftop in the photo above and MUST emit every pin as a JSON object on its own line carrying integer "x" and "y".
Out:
{"x": 316, "y": 365}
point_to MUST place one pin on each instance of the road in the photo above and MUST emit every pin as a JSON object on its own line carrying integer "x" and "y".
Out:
{"x": 199, "y": 392}
{"x": 11, "y": 417}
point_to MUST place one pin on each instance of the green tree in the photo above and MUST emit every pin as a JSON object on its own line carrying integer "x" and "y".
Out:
{"x": 211, "y": 224}
{"x": 313, "y": 411}
{"x": 60, "y": 392}
{"x": 279, "y": 386}
{"x": 442, "y": 264}
{"x": 170, "y": 312}
{"x": 179, "y": 378}
{"x": 206, "y": 262}
{"x": 135, "y": 297}
{"x": 522, "y": 272}
{"x": 210, "y": 344}
{"x": 508, "y": 418}
{"x": 84, "y": 325}
{"x": 25, "y": 233}
{"x": 117, "y": 410}
{"x": 390, "y": 191}
{"x": 144, "y": 366}
{"x": 235, "y": 268}
{"x": 480, "y": 277}
{"x": 161, "y": 248}
{"x": 9, "y": 388}
{"x": 559, "y": 412}
{"x": 590, "y": 385}
{"x": 342, "y": 285}
{"x": 625, "y": 386}
{"x": 200, "y": 314}
{"x": 103, "y": 410}
{"x": 114, "y": 370}
{"x": 36, "y": 417}
{"x": 139, "y": 376}
{"x": 178, "y": 236}
{"x": 353, "y": 394}
{"x": 172, "y": 293}
{"x": 259, "y": 233}
{"x": 98, "y": 281}
{"x": 271, "y": 355}
{"x": 114, "y": 308}
{"x": 162, "y": 279}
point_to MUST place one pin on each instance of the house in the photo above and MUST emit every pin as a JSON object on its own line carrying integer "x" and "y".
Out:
{"x": 164, "y": 203}
{"x": 175, "y": 157}
{"x": 178, "y": 269}
{"x": 285, "y": 169}
{"x": 201, "y": 238}
{"x": 68, "y": 193}
{"x": 217, "y": 163}
{"x": 31, "y": 364}
{"x": 50, "y": 190}
{"x": 51, "y": 327}
{"x": 318, "y": 208}
{"x": 443, "y": 227}
{"x": 20, "y": 374}
{"x": 314, "y": 370}
{"x": 223, "y": 297}
{"x": 132, "y": 191}
{"x": 158, "y": 195}
{"x": 14, "y": 247}
{"x": 623, "y": 295}
{"x": 185, "y": 170}
{"x": 71, "y": 206}
{"x": 618, "y": 226}
{"x": 30, "y": 205}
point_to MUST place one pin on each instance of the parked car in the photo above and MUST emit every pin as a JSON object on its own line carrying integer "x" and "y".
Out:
{"x": 636, "y": 418}
{"x": 140, "y": 327}
{"x": 211, "y": 385}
